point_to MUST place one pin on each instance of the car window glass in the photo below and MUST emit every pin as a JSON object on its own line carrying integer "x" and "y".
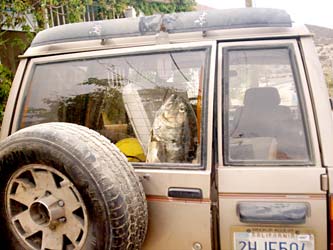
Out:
{"x": 263, "y": 116}
{"x": 148, "y": 105}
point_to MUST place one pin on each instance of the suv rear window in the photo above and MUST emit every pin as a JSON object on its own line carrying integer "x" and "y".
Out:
{"x": 263, "y": 115}
{"x": 149, "y": 105}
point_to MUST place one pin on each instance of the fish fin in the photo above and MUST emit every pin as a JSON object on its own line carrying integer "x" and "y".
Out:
{"x": 156, "y": 152}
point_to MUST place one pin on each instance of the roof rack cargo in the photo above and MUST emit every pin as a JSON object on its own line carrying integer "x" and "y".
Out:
{"x": 171, "y": 23}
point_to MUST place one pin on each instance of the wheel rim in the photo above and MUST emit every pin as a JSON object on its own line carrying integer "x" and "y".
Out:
{"x": 45, "y": 210}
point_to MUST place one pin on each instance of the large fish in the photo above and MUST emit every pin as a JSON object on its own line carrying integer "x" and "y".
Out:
{"x": 174, "y": 132}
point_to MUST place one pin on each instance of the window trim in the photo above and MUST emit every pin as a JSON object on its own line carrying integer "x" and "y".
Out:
{"x": 207, "y": 47}
{"x": 203, "y": 133}
{"x": 301, "y": 99}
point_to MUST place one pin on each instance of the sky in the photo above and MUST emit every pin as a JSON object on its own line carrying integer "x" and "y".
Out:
{"x": 318, "y": 12}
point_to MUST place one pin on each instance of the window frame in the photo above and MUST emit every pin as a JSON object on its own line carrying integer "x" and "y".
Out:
{"x": 301, "y": 102}
{"x": 207, "y": 47}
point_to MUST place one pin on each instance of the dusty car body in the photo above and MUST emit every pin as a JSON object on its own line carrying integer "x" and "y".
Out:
{"x": 259, "y": 176}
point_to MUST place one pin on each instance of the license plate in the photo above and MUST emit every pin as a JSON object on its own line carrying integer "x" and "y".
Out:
{"x": 272, "y": 238}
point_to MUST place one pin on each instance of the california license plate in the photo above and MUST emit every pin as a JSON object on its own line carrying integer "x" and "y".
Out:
{"x": 272, "y": 238}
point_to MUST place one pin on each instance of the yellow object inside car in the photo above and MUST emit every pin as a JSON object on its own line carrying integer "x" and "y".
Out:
{"x": 132, "y": 149}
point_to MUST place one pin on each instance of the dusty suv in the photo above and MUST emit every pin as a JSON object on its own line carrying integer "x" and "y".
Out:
{"x": 202, "y": 130}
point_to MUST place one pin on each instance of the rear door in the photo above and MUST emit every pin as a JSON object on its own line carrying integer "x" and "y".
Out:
{"x": 155, "y": 104}
{"x": 269, "y": 165}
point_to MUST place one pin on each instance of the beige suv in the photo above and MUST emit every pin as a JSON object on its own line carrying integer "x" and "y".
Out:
{"x": 214, "y": 131}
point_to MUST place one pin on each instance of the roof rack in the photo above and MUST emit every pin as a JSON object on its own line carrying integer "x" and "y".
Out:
{"x": 171, "y": 23}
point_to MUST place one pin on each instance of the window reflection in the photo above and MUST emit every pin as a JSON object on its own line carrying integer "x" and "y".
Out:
{"x": 264, "y": 118}
{"x": 148, "y": 105}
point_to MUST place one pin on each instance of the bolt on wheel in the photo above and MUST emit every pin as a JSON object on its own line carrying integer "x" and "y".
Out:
{"x": 45, "y": 209}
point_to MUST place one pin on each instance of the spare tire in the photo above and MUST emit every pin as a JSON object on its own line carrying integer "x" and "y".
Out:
{"x": 64, "y": 186}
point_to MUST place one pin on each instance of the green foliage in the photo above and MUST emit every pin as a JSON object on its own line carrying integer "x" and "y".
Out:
{"x": 329, "y": 81}
{"x": 6, "y": 77}
{"x": 112, "y": 99}
{"x": 12, "y": 13}
{"x": 108, "y": 9}
{"x": 75, "y": 9}
{"x": 150, "y": 8}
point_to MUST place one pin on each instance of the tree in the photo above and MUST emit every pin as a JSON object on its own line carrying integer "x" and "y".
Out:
{"x": 329, "y": 82}
{"x": 12, "y": 14}
{"x": 6, "y": 77}
{"x": 149, "y": 8}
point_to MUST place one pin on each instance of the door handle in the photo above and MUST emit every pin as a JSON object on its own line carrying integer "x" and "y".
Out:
{"x": 189, "y": 193}
{"x": 273, "y": 212}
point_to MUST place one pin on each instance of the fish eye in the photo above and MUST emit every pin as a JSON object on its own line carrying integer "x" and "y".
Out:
{"x": 182, "y": 108}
